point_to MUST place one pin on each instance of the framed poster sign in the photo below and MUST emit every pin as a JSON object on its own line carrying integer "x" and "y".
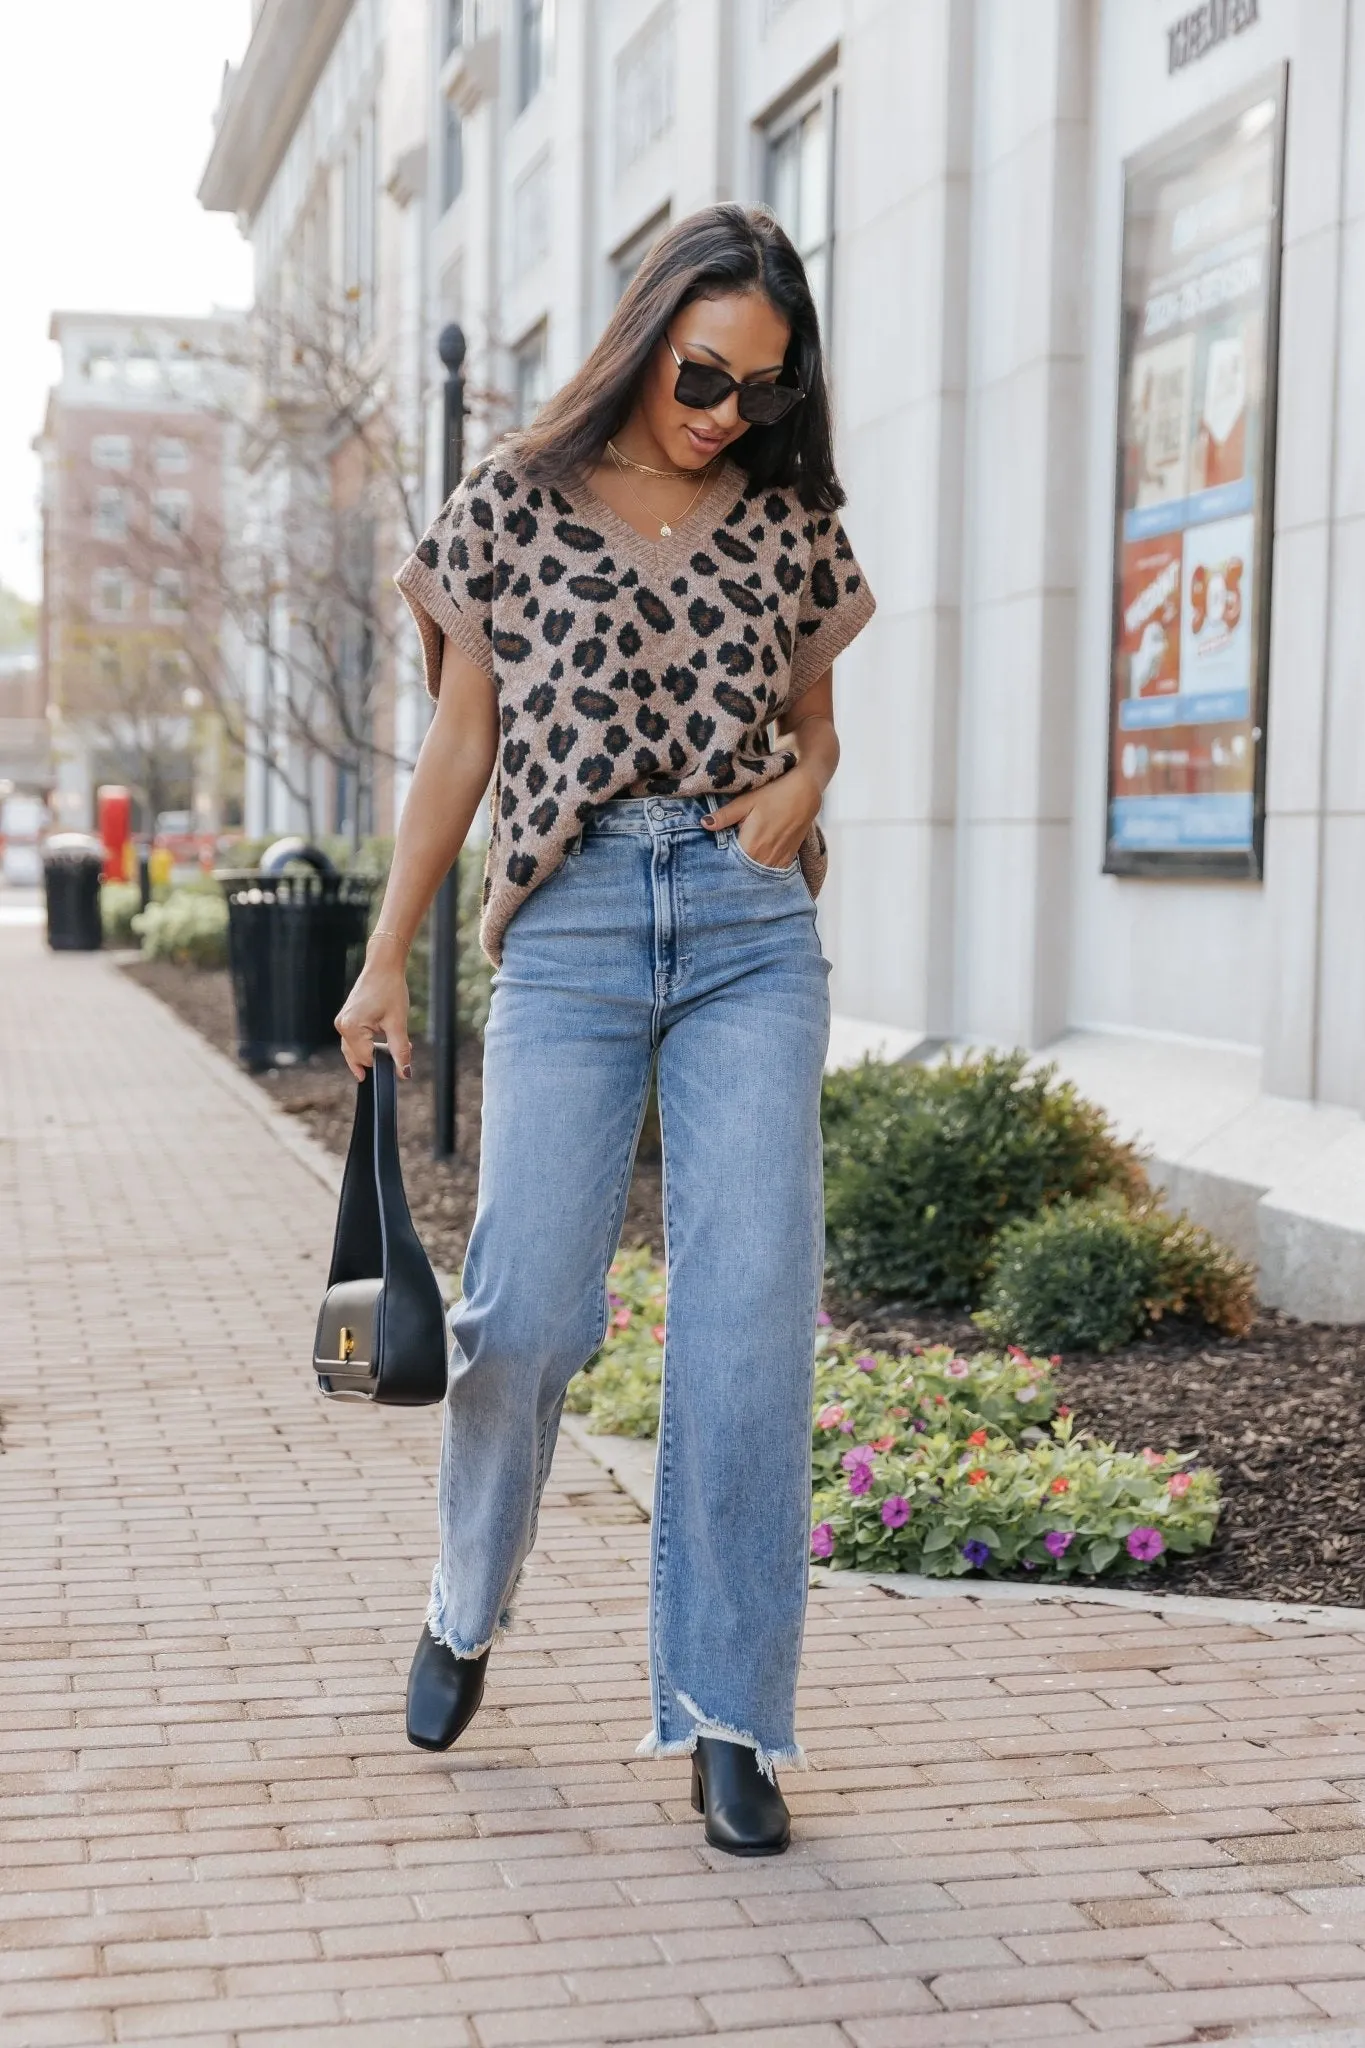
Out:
{"x": 1190, "y": 640}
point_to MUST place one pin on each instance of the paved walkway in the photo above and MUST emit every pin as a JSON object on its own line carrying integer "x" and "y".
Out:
{"x": 1023, "y": 1823}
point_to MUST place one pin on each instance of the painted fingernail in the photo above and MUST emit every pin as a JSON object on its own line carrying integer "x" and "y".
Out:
{"x": 407, "y": 1073}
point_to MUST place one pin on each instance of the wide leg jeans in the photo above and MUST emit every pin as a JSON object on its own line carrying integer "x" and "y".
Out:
{"x": 658, "y": 944}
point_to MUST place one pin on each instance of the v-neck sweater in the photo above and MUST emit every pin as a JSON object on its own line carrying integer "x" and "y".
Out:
{"x": 625, "y": 665}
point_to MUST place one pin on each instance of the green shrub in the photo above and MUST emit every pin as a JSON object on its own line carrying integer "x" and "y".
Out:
{"x": 925, "y": 1165}
{"x": 1089, "y": 1276}
{"x": 120, "y": 903}
{"x": 618, "y": 1391}
{"x": 933, "y": 1463}
{"x": 189, "y": 927}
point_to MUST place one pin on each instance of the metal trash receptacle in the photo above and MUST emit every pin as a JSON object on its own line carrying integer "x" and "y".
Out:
{"x": 72, "y": 864}
{"x": 296, "y": 939}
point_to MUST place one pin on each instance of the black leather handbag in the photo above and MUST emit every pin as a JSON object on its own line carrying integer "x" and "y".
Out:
{"x": 381, "y": 1332}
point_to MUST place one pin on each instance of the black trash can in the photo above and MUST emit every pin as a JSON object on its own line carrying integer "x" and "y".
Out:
{"x": 296, "y": 939}
{"x": 72, "y": 865}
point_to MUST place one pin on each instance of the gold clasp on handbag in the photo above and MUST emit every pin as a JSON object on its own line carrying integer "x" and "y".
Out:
{"x": 347, "y": 1344}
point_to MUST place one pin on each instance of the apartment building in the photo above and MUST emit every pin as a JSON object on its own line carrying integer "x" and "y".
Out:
{"x": 132, "y": 662}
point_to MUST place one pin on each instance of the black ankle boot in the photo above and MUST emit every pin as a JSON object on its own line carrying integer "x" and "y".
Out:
{"x": 745, "y": 1813}
{"x": 443, "y": 1693}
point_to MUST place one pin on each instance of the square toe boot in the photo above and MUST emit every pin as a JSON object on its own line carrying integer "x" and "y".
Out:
{"x": 745, "y": 1812}
{"x": 444, "y": 1692}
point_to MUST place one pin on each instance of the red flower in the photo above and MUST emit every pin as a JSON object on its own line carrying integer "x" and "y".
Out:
{"x": 975, "y": 1478}
{"x": 882, "y": 1443}
{"x": 978, "y": 1436}
{"x": 1062, "y": 1413}
{"x": 1060, "y": 1486}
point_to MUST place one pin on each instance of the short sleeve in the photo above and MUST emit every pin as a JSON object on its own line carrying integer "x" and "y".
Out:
{"x": 449, "y": 578}
{"x": 836, "y": 603}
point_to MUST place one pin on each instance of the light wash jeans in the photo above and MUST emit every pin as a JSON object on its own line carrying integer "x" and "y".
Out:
{"x": 654, "y": 940}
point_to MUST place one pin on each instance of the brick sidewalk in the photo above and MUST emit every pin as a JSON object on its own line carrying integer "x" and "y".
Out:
{"x": 1023, "y": 1823}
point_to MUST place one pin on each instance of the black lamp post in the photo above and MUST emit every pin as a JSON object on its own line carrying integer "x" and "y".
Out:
{"x": 445, "y": 920}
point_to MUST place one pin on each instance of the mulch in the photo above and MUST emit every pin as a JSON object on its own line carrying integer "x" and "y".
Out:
{"x": 1280, "y": 1415}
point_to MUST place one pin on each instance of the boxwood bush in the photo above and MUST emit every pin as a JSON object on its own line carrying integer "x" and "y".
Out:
{"x": 1091, "y": 1275}
{"x": 925, "y": 1165}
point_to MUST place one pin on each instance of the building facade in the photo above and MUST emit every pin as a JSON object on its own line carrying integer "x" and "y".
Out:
{"x": 1065, "y": 599}
{"x": 135, "y": 460}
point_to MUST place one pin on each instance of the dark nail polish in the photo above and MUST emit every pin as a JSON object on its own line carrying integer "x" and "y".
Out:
{"x": 407, "y": 1073}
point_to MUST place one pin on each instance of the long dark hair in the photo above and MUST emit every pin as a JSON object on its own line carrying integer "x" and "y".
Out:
{"x": 722, "y": 249}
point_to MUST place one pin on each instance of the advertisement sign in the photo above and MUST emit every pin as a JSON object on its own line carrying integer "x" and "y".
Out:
{"x": 1190, "y": 645}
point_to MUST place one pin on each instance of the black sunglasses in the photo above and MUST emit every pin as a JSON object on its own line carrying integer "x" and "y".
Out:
{"x": 703, "y": 386}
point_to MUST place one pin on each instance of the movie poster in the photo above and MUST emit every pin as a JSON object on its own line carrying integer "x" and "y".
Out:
{"x": 1190, "y": 641}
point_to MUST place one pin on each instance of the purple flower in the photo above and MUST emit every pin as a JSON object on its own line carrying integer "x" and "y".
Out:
{"x": 822, "y": 1539}
{"x": 1057, "y": 1542}
{"x": 615, "y": 1301}
{"x": 1145, "y": 1544}
{"x": 860, "y": 1479}
{"x": 976, "y": 1553}
{"x": 896, "y": 1511}
{"x": 824, "y": 1319}
{"x": 861, "y": 1454}
{"x": 867, "y": 1363}
{"x": 919, "y": 1423}
{"x": 1029, "y": 1565}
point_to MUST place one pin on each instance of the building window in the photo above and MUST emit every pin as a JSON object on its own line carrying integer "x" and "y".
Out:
{"x": 170, "y": 514}
{"x": 627, "y": 259}
{"x": 531, "y": 217}
{"x": 799, "y": 187}
{"x": 168, "y": 595}
{"x": 530, "y": 376}
{"x": 112, "y": 594}
{"x": 111, "y": 451}
{"x": 111, "y": 513}
{"x": 172, "y": 458}
{"x": 452, "y": 155}
{"x": 101, "y": 366}
{"x": 644, "y": 90}
{"x": 535, "y": 47}
{"x": 358, "y": 225}
{"x": 142, "y": 371}
{"x": 184, "y": 376}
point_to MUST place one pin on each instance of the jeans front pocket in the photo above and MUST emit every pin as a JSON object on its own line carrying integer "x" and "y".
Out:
{"x": 757, "y": 867}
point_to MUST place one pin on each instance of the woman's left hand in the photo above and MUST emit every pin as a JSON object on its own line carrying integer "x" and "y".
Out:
{"x": 774, "y": 818}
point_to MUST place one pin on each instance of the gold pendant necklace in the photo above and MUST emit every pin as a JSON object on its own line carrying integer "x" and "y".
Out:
{"x": 665, "y": 529}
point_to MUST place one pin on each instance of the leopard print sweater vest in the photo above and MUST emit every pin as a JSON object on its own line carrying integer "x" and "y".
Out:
{"x": 626, "y": 666}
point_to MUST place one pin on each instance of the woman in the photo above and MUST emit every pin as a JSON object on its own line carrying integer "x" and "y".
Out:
{"x": 615, "y": 608}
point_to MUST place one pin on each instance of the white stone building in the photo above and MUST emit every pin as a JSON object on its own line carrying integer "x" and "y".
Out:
{"x": 954, "y": 173}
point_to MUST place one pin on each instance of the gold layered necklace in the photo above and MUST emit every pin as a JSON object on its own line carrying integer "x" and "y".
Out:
{"x": 624, "y": 462}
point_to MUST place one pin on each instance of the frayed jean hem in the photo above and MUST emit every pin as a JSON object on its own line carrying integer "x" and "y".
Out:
{"x": 447, "y": 1638}
{"x": 791, "y": 1757}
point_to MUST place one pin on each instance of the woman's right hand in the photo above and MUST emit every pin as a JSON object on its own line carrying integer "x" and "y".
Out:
{"x": 377, "y": 1007}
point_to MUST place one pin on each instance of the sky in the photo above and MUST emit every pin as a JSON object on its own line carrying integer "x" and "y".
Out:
{"x": 106, "y": 119}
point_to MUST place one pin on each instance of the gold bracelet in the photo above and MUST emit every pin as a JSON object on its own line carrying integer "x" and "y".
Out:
{"x": 383, "y": 931}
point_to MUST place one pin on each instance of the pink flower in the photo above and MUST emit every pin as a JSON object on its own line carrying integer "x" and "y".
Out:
{"x": 1179, "y": 1484}
{"x": 1151, "y": 1458}
{"x": 822, "y": 1539}
{"x": 860, "y": 1479}
{"x": 846, "y": 1428}
{"x": 657, "y": 1333}
{"x": 824, "y": 1319}
{"x": 860, "y": 1455}
{"x": 896, "y": 1511}
{"x": 1019, "y": 1355}
{"x": 1146, "y": 1544}
{"x": 958, "y": 1369}
{"x": 622, "y": 1319}
{"x": 830, "y": 1417}
{"x": 867, "y": 1363}
{"x": 883, "y": 1443}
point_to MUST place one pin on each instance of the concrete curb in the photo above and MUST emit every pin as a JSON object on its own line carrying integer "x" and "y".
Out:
{"x": 630, "y": 1462}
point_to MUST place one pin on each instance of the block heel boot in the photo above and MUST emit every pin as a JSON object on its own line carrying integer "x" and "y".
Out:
{"x": 745, "y": 1813}
{"x": 444, "y": 1692}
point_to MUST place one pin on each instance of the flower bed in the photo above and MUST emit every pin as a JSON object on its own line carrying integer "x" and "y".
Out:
{"x": 934, "y": 1462}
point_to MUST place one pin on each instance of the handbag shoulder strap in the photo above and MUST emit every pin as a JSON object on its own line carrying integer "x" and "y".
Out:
{"x": 358, "y": 1247}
